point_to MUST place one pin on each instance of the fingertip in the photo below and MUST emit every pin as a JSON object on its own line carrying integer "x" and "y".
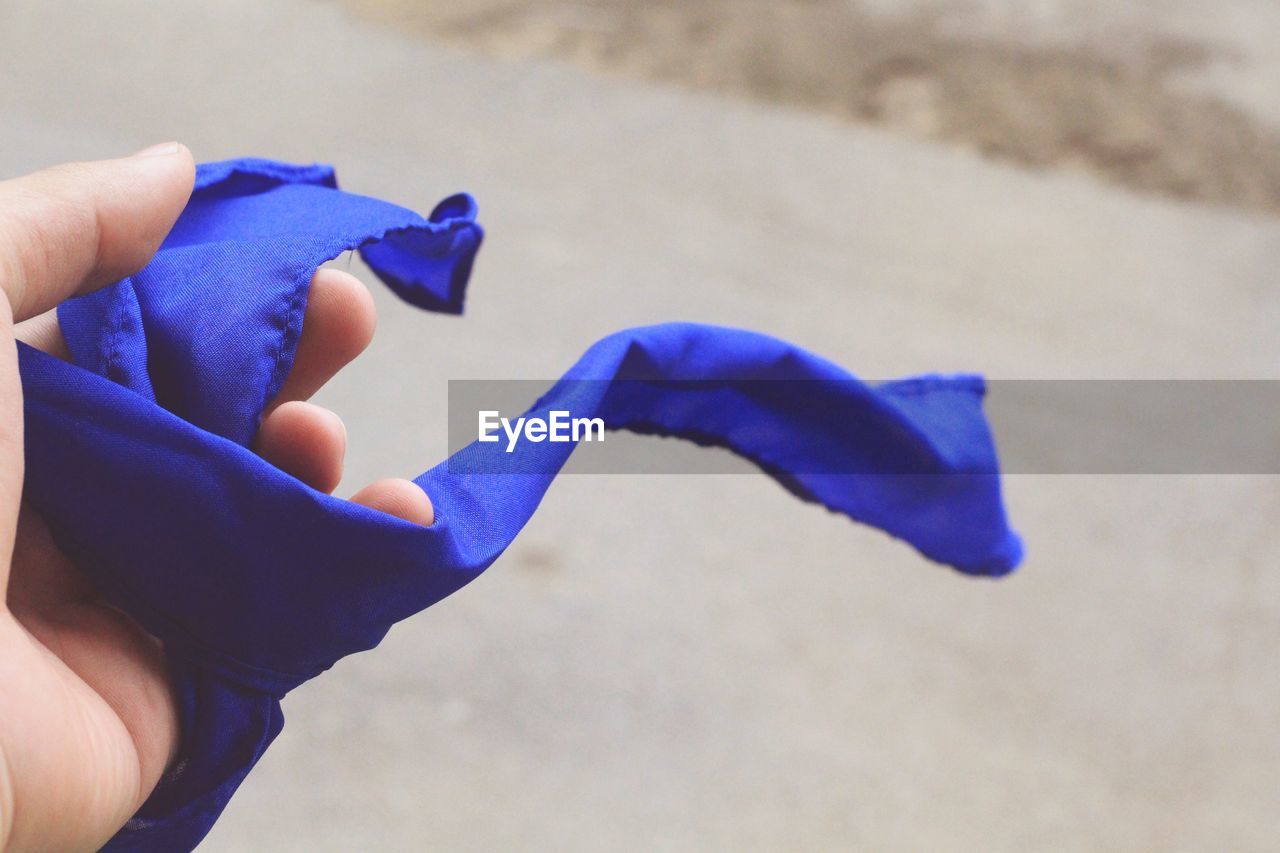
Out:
{"x": 337, "y": 326}
{"x": 398, "y": 497}
{"x": 343, "y": 308}
{"x": 306, "y": 441}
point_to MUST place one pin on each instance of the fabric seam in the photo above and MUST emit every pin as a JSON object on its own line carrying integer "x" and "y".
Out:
{"x": 289, "y": 318}
{"x": 117, "y": 327}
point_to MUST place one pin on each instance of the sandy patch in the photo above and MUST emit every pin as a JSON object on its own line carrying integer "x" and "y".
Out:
{"x": 1115, "y": 110}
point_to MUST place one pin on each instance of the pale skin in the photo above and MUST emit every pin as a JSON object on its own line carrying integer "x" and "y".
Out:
{"x": 87, "y": 717}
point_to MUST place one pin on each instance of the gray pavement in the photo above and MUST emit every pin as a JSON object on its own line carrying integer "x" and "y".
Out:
{"x": 700, "y": 662}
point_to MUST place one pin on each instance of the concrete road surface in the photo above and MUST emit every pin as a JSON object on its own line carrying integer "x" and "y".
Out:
{"x": 700, "y": 662}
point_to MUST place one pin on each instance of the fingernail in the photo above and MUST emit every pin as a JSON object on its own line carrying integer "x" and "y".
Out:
{"x": 162, "y": 150}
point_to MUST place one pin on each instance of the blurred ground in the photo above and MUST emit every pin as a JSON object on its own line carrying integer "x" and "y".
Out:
{"x": 1094, "y": 86}
{"x": 701, "y": 663}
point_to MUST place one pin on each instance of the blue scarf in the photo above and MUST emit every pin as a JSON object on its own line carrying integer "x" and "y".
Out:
{"x": 137, "y": 456}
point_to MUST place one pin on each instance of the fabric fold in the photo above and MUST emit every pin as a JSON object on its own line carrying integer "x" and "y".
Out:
{"x": 222, "y": 301}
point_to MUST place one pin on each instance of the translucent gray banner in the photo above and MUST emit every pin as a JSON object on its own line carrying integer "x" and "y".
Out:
{"x": 1040, "y": 427}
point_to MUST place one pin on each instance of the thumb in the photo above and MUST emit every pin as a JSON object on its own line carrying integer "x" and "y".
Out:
{"x": 65, "y": 231}
{"x": 72, "y": 228}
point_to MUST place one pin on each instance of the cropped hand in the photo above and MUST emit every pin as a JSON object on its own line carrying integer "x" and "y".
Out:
{"x": 88, "y": 722}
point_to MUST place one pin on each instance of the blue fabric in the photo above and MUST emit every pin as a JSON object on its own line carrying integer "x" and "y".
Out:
{"x": 137, "y": 456}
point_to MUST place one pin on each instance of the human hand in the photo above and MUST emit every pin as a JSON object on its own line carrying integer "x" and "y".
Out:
{"x": 88, "y": 722}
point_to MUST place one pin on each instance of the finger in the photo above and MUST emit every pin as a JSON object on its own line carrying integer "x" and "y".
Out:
{"x": 336, "y": 328}
{"x": 71, "y": 228}
{"x": 43, "y": 332}
{"x": 306, "y": 441}
{"x": 397, "y": 497}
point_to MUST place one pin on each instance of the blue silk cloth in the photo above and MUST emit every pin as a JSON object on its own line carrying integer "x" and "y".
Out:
{"x": 137, "y": 456}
